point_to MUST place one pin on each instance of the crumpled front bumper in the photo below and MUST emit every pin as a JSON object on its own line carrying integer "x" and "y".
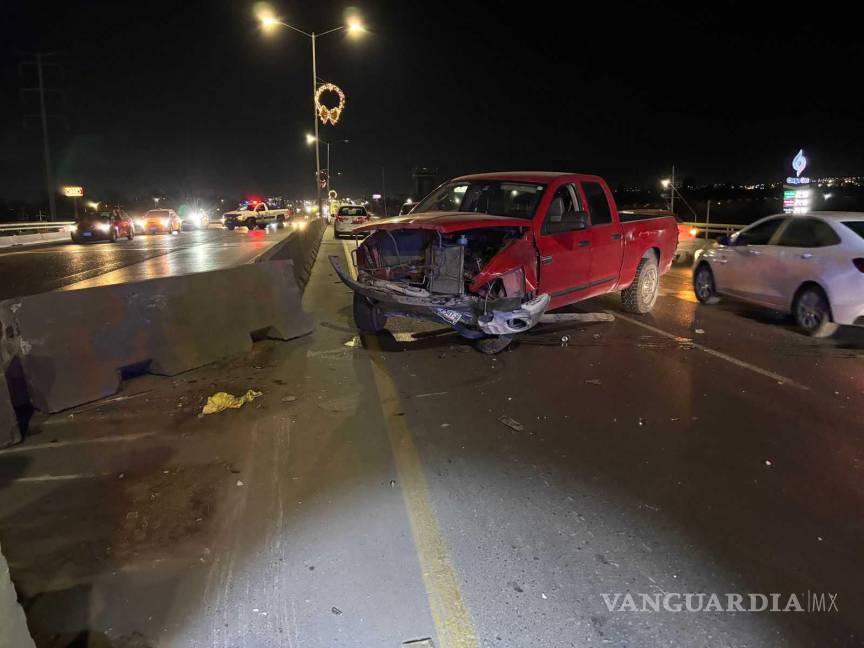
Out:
{"x": 465, "y": 313}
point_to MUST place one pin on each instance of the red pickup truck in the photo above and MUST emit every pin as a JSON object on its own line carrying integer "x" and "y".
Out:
{"x": 488, "y": 254}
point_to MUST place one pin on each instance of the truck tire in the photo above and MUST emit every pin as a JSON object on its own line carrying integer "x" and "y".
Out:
{"x": 640, "y": 296}
{"x": 812, "y": 312}
{"x": 230, "y": 225}
{"x": 250, "y": 223}
{"x": 262, "y": 226}
{"x": 367, "y": 316}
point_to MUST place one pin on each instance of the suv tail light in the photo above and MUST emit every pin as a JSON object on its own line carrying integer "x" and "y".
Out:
{"x": 859, "y": 263}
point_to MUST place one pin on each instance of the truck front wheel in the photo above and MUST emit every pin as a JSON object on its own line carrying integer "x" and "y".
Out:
{"x": 640, "y": 296}
{"x": 367, "y": 316}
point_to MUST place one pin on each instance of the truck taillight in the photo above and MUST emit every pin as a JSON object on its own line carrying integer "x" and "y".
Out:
{"x": 859, "y": 263}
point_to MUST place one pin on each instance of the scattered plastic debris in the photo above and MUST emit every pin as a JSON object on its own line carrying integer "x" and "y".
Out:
{"x": 593, "y": 381}
{"x": 445, "y": 425}
{"x": 768, "y": 463}
{"x": 239, "y": 483}
{"x": 335, "y": 610}
{"x": 543, "y": 596}
{"x": 699, "y": 331}
{"x": 565, "y": 339}
{"x": 557, "y": 318}
{"x": 223, "y": 400}
{"x": 512, "y": 423}
{"x": 640, "y": 422}
{"x": 392, "y": 483}
{"x": 289, "y": 399}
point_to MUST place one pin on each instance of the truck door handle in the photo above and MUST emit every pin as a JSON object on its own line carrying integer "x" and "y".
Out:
{"x": 616, "y": 237}
{"x": 546, "y": 260}
{"x": 584, "y": 243}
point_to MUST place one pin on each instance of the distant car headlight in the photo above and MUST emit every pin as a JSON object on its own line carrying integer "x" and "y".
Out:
{"x": 694, "y": 231}
{"x": 103, "y": 227}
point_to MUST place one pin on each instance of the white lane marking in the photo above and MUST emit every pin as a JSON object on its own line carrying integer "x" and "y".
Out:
{"x": 48, "y": 478}
{"x": 63, "y": 444}
{"x": 717, "y": 354}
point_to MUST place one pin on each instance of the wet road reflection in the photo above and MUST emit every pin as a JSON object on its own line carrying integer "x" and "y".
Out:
{"x": 42, "y": 268}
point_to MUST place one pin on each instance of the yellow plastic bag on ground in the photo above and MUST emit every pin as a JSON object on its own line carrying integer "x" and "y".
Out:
{"x": 223, "y": 400}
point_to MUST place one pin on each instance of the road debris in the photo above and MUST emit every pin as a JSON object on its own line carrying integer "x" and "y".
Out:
{"x": 289, "y": 399}
{"x": 223, "y": 400}
{"x": 768, "y": 463}
{"x": 335, "y": 610}
{"x": 557, "y": 318}
{"x": 239, "y": 483}
{"x": 640, "y": 422}
{"x": 512, "y": 423}
{"x": 699, "y": 331}
{"x": 593, "y": 381}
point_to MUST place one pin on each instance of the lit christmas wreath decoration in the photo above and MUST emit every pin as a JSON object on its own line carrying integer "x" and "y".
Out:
{"x": 326, "y": 113}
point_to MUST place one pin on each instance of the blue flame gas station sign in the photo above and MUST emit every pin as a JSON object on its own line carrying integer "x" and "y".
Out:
{"x": 796, "y": 189}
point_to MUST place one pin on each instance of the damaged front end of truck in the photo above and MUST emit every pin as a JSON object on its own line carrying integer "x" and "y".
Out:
{"x": 481, "y": 279}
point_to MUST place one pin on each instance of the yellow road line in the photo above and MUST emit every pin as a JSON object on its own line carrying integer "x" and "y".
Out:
{"x": 452, "y": 619}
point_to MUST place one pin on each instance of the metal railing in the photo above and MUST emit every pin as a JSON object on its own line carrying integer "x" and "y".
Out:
{"x": 8, "y": 229}
{"x": 710, "y": 230}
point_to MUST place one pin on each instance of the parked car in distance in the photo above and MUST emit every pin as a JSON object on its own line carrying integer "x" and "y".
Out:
{"x": 809, "y": 265}
{"x": 489, "y": 254}
{"x": 105, "y": 225}
{"x": 348, "y": 218}
{"x": 158, "y": 221}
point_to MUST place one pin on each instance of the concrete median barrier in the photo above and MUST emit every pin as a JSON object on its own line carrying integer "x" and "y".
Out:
{"x": 13, "y": 625}
{"x": 9, "y": 431}
{"x": 301, "y": 248}
{"x": 73, "y": 346}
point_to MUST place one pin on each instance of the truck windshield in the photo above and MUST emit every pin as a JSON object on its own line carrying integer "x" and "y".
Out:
{"x": 494, "y": 197}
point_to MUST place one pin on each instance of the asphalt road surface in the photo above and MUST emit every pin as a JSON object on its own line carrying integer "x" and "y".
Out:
{"x": 40, "y": 268}
{"x": 374, "y": 496}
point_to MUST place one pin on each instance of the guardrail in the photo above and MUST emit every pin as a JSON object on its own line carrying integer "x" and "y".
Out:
{"x": 8, "y": 229}
{"x": 16, "y": 234}
{"x": 714, "y": 229}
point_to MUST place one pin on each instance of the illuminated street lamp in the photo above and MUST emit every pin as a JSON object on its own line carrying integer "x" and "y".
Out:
{"x": 311, "y": 139}
{"x": 269, "y": 22}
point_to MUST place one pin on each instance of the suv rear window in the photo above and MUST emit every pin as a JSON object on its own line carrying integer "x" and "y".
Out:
{"x": 352, "y": 211}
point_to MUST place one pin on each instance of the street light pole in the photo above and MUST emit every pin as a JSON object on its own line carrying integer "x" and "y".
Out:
{"x": 354, "y": 26}
{"x": 315, "y": 120}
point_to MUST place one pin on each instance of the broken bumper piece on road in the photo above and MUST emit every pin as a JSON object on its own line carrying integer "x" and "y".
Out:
{"x": 470, "y": 315}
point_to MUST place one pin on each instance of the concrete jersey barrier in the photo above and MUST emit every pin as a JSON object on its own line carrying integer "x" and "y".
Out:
{"x": 73, "y": 345}
{"x": 9, "y": 431}
{"x": 13, "y": 625}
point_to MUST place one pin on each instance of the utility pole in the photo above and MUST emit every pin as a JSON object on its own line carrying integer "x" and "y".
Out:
{"x": 49, "y": 176}
{"x": 672, "y": 191}
{"x": 41, "y": 60}
{"x": 383, "y": 193}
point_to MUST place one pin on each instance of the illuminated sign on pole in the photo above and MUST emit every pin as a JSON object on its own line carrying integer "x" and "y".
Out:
{"x": 73, "y": 192}
{"x": 796, "y": 190}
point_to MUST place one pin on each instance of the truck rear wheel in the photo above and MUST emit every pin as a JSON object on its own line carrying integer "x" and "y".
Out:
{"x": 230, "y": 225}
{"x": 367, "y": 316}
{"x": 640, "y": 296}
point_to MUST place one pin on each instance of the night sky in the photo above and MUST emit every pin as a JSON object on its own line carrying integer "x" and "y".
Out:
{"x": 191, "y": 97}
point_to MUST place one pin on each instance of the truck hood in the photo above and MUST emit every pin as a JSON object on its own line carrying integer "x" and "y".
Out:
{"x": 444, "y": 222}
